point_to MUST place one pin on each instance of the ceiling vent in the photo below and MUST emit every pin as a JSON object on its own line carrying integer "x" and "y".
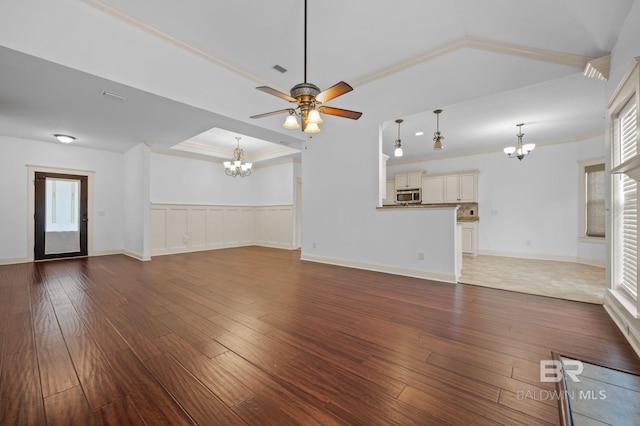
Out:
{"x": 279, "y": 68}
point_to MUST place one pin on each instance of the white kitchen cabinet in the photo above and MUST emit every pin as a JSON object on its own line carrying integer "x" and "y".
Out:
{"x": 408, "y": 180}
{"x": 390, "y": 198}
{"x": 469, "y": 187}
{"x": 432, "y": 190}
{"x": 470, "y": 238}
{"x": 461, "y": 188}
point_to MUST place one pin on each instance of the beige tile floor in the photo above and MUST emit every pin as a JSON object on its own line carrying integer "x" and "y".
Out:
{"x": 563, "y": 280}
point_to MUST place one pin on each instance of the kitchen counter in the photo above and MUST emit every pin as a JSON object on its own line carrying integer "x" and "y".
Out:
{"x": 463, "y": 212}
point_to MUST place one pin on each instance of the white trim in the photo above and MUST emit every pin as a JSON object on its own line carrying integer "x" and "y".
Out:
{"x": 444, "y": 155}
{"x": 135, "y": 255}
{"x": 31, "y": 197}
{"x": 14, "y": 261}
{"x": 541, "y": 256}
{"x": 378, "y": 267}
{"x": 625, "y": 318}
{"x": 107, "y": 252}
{"x": 577, "y": 61}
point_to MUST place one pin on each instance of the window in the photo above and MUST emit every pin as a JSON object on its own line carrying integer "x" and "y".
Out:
{"x": 592, "y": 200}
{"x": 625, "y": 200}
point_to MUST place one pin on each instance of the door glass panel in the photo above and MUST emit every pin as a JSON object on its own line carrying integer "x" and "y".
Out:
{"x": 62, "y": 227}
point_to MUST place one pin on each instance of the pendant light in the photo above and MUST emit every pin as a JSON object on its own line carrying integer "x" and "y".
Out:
{"x": 519, "y": 151}
{"x": 398, "y": 152}
{"x": 437, "y": 138}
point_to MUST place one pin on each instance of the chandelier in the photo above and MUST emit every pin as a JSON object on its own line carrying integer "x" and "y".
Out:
{"x": 437, "y": 138}
{"x": 519, "y": 151}
{"x": 237, "y": 167}
{"x": 398, "y": 151}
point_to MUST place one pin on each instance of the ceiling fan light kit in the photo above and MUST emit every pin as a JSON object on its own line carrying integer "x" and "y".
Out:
{"x": 309, "y": 99}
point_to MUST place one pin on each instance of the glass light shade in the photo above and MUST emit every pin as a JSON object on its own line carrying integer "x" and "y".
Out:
{"x": 509, "y": 150}
{"x": 312, "y": 128}
{"x": 237, "y": 163}
{"x": 314, "y": 117}
{"x": 398, "y": 152}
{"x": 437, "y": 145}
{"x": 528, "y": 147}
{"x": 249, "y": 165}
{"x": 243, "y": 167}
{"x": 226, "y": 164}
{"x": 291, "y": 122}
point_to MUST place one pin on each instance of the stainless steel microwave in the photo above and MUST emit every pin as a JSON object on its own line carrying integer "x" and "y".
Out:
{"x": 406, "y": 196}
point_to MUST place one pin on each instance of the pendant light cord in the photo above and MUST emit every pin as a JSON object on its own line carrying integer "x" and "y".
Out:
{"x": 305, "y": 41}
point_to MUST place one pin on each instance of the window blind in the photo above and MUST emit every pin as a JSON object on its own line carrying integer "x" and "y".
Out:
{"x": 594, "y": 176}
{"x": 627, "y": 220}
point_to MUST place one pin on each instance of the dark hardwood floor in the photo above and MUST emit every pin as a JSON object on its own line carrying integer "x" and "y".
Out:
{"x": 256, "y": 336}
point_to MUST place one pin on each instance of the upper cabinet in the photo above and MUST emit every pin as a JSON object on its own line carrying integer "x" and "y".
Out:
{"x": 409, "y": 180}
{"x": 432, "y": 190}
{"x": 459, "y": 187}
{"x": 390, "y": 197}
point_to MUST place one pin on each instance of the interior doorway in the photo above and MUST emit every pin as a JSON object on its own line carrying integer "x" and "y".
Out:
{"x": 60, "y": 215}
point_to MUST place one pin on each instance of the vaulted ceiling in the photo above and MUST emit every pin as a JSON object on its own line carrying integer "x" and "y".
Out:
{"x": 488, "y": 64}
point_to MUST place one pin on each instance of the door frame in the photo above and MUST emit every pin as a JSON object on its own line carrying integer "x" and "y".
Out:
{"x": 31, "y": 209}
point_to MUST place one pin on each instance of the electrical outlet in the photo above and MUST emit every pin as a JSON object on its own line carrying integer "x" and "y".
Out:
{"x": 314, "y": 245}
{"x": 420, "y": 255}
{"x": 529, "y": 243}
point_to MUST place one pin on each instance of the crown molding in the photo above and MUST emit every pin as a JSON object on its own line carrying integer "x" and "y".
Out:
{"x": 292, "y": 157}
{"x": 528, "y": 52}
{"x": 561, "y": 58}
{"x": 443, "y": 156}
{"x": 155, "y": 31}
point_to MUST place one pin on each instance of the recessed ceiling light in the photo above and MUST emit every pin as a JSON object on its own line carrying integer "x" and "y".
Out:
{"x": 419, "y": 133}
{"x": 65, "y": 138}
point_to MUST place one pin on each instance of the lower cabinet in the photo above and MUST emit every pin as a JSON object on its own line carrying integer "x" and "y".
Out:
{"x": 470, "y": 238}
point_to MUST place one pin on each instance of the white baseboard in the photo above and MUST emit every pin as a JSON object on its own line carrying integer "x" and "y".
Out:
{"x": 106, "y": 252}
{"x": 540, "y": 256}
{"x": 14, "y": 261}
{"x": 627, "y": 322}
{"x": 135, "y": 255}
{"x": 389, "y": 269}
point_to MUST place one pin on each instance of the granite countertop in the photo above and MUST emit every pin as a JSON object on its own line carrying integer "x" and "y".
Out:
{"x": 466, "y": 218}
{"x": 469, "y": 219}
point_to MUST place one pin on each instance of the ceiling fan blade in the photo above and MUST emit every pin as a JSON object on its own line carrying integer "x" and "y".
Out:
{"x": 277, "y": 93}
{"x": 333, "y": 92}
{"x": 266, "y": 114}
{"x": 354, "y": 115}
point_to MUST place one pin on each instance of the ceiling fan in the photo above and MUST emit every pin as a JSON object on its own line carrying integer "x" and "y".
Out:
{"x": 309, "y": 99}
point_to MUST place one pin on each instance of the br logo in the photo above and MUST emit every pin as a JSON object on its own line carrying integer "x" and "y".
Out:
{"x": 551, "y": 370}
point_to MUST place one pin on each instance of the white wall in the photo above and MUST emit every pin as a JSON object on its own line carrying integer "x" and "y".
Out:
{"x": 534, "y": 200}
{"x": 186, "y": 180}
{"x": 18, "y": 153}
{"x": 340, "y": 222}
{"x": 136, "y": 202}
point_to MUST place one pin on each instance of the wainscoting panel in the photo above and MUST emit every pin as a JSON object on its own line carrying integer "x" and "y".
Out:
{"x": 177, "y": 225}
{"x": 179, "y": 228}
{"x": 215, "y": 227}
{"x": 274, "y": 226}
{"x": 158, "y": 229}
